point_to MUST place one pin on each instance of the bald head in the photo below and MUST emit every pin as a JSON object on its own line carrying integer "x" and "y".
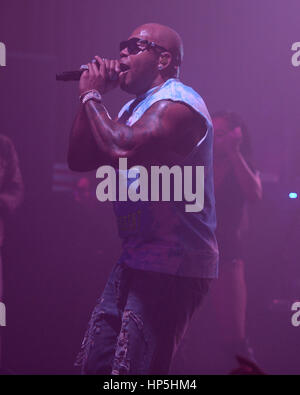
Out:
{"x": 149, "y": 66}
{"x": 163, "y": 36}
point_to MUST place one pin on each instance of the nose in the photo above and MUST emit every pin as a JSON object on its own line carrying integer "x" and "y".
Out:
{"x": 124, "y": 53}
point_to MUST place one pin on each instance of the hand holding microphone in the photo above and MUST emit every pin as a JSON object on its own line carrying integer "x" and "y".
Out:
{"x": 101, "y": 75}
{"x": 107, "y": 73}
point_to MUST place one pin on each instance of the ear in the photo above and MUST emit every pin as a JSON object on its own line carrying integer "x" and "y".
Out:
{"x": 165, "y": 59}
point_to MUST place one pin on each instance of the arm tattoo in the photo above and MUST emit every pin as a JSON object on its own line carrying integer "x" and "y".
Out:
{"x": 109, "y": 135}
{"x": 115, "y": 138}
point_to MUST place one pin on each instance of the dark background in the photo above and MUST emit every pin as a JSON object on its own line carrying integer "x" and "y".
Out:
{"x": 59, "y": 252}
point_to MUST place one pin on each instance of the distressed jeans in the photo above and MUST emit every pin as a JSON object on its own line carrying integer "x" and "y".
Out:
{"x": 138, "y": 322}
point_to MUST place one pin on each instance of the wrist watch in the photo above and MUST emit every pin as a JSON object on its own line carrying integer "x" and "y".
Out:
{"x": 90, "y": 95}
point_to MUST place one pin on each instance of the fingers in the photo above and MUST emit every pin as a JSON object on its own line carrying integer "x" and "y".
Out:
{"x": 114, "y": 74}
{"x": 102, "y": 68}
{"x": 91, "y": 70}
{"x": 84, "y": 75}
{"x": 94, "y": 68}
{"x": 109, "y": 69}
{"x": 117, "y": 67}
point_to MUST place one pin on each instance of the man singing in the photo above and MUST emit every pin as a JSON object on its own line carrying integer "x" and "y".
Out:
{"x": 169, "y": 255}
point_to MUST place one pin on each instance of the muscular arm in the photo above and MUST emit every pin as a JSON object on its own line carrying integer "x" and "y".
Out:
{"x": 166, "y": 122}
{"x": 97, "y": 139}
{"x": 83, "y": 153}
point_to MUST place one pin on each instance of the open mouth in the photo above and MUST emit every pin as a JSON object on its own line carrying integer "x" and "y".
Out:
{"x": 124, "y": 68}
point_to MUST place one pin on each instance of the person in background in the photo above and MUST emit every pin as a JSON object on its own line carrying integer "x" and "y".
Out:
{"x": 236, "y": 183}
{"x": 11, "y": 196}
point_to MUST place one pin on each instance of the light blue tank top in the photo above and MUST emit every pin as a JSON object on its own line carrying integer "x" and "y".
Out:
{"x": 162, "y": 236}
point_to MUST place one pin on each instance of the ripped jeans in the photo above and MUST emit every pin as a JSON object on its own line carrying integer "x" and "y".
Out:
{"x": 139, "y": 322}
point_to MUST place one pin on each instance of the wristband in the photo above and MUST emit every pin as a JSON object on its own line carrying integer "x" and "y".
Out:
{"x": 90, "y": 95}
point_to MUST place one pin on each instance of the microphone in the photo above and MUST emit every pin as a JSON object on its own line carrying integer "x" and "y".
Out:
{"x": 71, "y": 75}
{"x": 75, "y": 75}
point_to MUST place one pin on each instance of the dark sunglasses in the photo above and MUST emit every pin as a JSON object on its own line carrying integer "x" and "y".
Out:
{"x": 136, "y": 45}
